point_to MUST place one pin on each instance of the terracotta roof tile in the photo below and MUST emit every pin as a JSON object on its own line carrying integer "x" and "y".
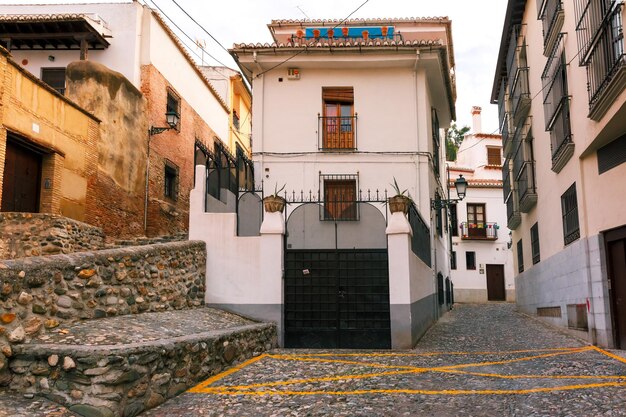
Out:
{"x": 362, "y": 20}
{"x": 340, "y": 44}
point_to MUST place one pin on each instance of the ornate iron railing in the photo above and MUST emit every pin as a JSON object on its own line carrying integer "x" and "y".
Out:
{"x": 337, "y": 132}
{"x": 479, "y": 231}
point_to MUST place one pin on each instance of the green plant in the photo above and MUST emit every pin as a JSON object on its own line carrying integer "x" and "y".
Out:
{"x": 396, "y": 188}
{"x": 276, "y": 190}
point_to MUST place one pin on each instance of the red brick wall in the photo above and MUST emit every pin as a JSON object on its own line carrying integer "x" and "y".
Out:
{"x": 167, "y": 216}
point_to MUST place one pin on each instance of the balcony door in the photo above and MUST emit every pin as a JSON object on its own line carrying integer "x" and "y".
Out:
{"x": 476, "y": 220}
{"x": 338, "y": 117}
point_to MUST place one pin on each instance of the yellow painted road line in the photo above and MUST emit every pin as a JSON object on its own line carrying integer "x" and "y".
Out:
{"x": 426, "y": 392}
{"x": 214, "y": 378}
{"x": 366, "y": 364}
{"x": 504, "y": 352}
{"x": 491, "y": 375}
{"x": 609, "y": 354}
{"x": 307, "y": 381}
{"x": 448, "y": 369}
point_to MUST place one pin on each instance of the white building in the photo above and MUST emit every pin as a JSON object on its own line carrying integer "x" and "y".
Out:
{"x": 482, "y": 262}
{"x": 340, "y": 110}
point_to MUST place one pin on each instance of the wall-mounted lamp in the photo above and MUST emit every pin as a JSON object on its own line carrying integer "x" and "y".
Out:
{"x": 51, "y": 58}
{"x": 461, "y": 188}
{"x": 172, "y": 119}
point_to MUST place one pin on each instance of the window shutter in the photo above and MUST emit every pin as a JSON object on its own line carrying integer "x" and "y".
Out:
{"x": 612, "y": 155}
{"x": 494, "y": 157}
{"x": 338, "y": 94}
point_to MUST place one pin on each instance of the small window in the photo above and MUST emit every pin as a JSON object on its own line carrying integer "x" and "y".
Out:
{"x": 520, "y": 256}
{"x": 470, "y": 260}
{"x": 494, "y": 156}
{"x": 438, "y": 217}
{"x": 436, "y": 140}
{"x": 171, "y": 181}
{"x": 454, "y": 222}
{"x": 569, "y": 210}
{"x": 173, "y": 105}
{"x": 340, "y": 199}
{"x": 338, "y": 119}
{"x": 453, "y": 260}
{"x": 55, "y": 78}
{"x": 534, "y": 242}
{"x": 235, "y": 120}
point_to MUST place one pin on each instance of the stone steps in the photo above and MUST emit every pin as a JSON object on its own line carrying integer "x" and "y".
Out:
{"x": 121, "y": 366}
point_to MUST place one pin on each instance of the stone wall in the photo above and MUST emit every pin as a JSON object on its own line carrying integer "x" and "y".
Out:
{"x": 37, "y": 294}
{"x": 37, "y": 234}
{"x": 126, "y": 380}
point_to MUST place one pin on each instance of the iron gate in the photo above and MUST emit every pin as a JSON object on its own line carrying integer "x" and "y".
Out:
{"x": 337, "y": 299}
{"x": 336, "y": 281}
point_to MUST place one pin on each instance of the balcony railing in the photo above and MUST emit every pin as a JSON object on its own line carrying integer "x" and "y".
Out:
{"x": 591, "y": 16}
{"x": 606, "y": 58}
{"x": 552, "y": 17}
{"x": 554, "y": 80}
{"x": 507, "y": 136}
{"x": 479, "y": 231}
{"x": 520, "y": 95}
{"x": 337, "y": 133}
{"x": 513, "y": 216}
{"x": 526, "y": 187}
{"x": 561, "y": 137}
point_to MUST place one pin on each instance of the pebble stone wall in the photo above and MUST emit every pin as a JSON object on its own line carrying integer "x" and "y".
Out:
{"x": 98, "y": 381}
{"x": 37, "y": 294}
{"x": 40, "y": 234}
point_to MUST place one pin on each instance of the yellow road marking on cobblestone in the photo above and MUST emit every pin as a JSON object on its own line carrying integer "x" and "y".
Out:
{"x": 215, "y": 378}
{"x": 503, "y": 352}
{"x": 609, "y": 354}
{"x": 426, "y": 392}
{"x": 205, "y": 387}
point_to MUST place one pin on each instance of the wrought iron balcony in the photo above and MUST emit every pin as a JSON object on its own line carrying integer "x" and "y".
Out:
{"x": 561, "y": 137}
{"x": 552, "y": 16}
{"x": 479, "y": 231}
{"x": 507, "y": 136}
{"x": 337, "y": 133}
{"x": 526, "y": 187}
{"x": 520, "y": 95}
{"x": 514, "y": 218}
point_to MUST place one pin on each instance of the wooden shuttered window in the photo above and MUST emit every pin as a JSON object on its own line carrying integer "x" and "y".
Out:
{"x": 340, "y": 199}
{"x": 338, "y": 94}
{"x": 494, "y": 156}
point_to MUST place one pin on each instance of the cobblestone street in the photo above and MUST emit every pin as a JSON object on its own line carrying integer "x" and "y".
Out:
{"x": 478, "y": 360}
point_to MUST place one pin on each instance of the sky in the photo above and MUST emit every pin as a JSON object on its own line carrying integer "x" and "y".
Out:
{"x": 476, "y": 30}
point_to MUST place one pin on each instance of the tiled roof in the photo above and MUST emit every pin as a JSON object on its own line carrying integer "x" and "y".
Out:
{"x": 46, "y": 17}
{"x": 488, "y": 135}
{"x": 461, "y": 169}
{"x": 340, "y": 44}
{"x": 480, "y": 183}
{"x": 360, "y": 21}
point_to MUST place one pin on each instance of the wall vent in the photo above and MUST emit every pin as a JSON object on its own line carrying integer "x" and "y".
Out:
{"x": 549, "y": 311}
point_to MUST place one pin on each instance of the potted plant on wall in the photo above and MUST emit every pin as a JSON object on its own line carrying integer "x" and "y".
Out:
{"x": 274, "y": 203}
{"x": 401, "y": 201}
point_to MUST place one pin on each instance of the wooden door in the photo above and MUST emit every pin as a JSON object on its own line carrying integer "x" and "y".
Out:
{"x": 616, "y": 257}
{"x": 20, "y": 186}
{"x": 476, "y": 220}
{"x": 495, "y": 283}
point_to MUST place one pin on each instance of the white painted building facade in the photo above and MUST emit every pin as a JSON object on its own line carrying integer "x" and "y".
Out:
{"x": 482, "y": 262}
{"x": 336, "y": 125}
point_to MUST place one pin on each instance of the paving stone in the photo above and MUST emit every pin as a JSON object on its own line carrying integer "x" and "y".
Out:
{"x": 478, "y": 360}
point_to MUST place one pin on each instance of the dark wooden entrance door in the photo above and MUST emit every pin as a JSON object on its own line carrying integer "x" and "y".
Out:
{"x": 616, "y": 260}
{"x": 337, "y": 299}
{"x": 20, "y": 186}
{"x": 495, "y": 283}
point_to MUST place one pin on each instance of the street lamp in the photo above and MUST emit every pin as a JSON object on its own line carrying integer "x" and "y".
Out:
{"x": 461, "y": 189}
{"x": 172, "y": 119}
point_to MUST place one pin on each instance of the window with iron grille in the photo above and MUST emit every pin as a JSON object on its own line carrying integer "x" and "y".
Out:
{"x": 470, "y": 260}
{"x": 173, "y": 105}
{"x": 436, "y": 140}
{"x": 438, "y": 218}
{"x": 520, "y": 256}
{"x": 556, "y": 103}
{"x": 453, "y": 260}
{"x": 245, "y": 171}
{"x": 534, "y": 243}
{"x": 338, "y": 121}
{"x": 454, "y": 222}
{"x": 171, "y": 180}
{"x": 55, "y": 78}
{"x": 340, "y": 193}
{"x": 569, "y": 210}
{"x": 494, "y": 156}
{"x": 600, "y": 34}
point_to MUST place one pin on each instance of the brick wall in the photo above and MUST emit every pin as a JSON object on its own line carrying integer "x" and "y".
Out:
{"x": 165, "y": 215}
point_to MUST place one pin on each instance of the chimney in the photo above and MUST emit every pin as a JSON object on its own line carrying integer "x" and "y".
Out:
{"x": 476, "y": 126}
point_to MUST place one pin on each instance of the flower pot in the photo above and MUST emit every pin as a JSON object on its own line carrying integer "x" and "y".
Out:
{"x": 399, "y": 203}
{"x": 344, "y": 32}
{"x": 274, "y": 204}
{"x": 384, "y": 31}
{"x": 299, "y": 33}
{"x": 365, "y": 35}
{"x": 316, "y": 33}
